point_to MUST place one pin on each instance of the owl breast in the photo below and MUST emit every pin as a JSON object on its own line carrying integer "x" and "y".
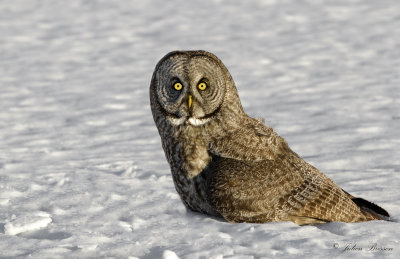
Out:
{"x": 187, "y": 154}
{"x": 196, "y": 158}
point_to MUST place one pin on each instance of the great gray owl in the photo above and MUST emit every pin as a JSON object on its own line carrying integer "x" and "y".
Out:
{"x": 225, "y": 163}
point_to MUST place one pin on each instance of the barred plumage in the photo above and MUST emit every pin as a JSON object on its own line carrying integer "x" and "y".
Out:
{"x": 225, "y": 163}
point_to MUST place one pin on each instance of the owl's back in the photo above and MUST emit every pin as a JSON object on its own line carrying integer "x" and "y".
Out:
{"x": 283, "y": 190}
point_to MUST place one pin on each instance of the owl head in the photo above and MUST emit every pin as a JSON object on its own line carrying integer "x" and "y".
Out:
{"x": 192, "y": 87}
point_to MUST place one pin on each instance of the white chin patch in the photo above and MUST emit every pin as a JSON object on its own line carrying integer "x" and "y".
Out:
{"x": 197, "y": 122}
{"x": 177, "y": 121}
{"x": 192, "y": 121}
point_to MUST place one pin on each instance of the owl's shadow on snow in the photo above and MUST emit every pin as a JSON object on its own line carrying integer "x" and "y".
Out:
{"x": 337, "y": 228}
{"x": 344, "y": 228}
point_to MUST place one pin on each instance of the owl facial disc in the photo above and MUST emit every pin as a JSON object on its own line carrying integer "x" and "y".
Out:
{"x": 190, "y": 87}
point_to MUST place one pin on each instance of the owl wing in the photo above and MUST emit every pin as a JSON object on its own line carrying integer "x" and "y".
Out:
{"x": 258, "y": 178}
{"x": 253, "y": 141}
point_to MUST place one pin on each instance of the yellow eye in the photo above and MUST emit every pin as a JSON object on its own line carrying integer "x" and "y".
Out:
{"x": 178, "y": 86}
{"x": 202, "y": 86}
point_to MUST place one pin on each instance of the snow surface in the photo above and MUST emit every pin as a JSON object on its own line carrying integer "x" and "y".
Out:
{"x": 82, "y": 171}
{"x": 27, "y": 223}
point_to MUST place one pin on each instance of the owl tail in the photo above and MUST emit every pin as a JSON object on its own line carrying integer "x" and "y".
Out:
{"x": 370, "y": 209}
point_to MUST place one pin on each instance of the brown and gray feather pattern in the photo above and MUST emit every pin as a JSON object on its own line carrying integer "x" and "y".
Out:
{"x": 225, "y": 163}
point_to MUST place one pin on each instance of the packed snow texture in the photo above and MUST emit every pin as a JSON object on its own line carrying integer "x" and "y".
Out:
{"x": 82, "y": 171}
{"x": 27, "y": 223}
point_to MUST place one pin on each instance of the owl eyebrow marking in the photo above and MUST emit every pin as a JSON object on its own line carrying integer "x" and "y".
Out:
{"x": 203, "y": 80}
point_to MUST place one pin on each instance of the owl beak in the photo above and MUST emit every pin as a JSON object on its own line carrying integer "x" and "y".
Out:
{"x": 190, "y": 101}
